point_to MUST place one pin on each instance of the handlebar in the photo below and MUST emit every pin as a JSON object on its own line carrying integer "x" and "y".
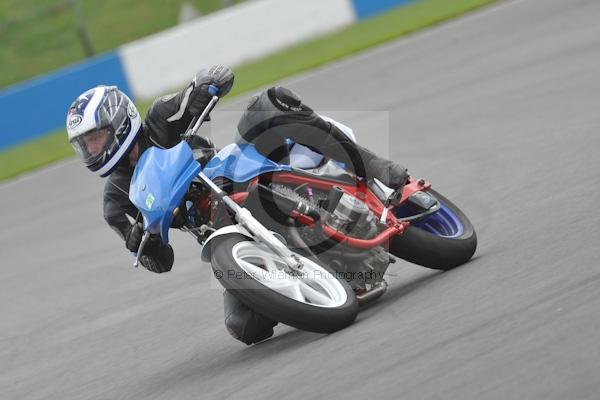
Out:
{"x": 197, "y": 122}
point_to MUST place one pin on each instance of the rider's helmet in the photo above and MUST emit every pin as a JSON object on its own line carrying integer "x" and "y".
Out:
{"x": 103, "y": 124}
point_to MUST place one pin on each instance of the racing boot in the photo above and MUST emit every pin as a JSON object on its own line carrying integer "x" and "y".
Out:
{"x": 391, "y": 174}
{"x": 363, "y": 162}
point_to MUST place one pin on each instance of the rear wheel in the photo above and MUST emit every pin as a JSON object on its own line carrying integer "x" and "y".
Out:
{"x": 316, "y": 301}
{"x": 443, "y": 240}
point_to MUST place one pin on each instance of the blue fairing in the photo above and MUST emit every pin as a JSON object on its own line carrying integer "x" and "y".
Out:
{"x": 160, "y": 180}
{"x": 240, "y": 163}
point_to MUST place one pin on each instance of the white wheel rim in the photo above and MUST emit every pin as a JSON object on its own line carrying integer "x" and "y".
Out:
{"x": 317, "y": 287}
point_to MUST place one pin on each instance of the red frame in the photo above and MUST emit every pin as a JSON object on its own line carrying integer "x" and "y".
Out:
{"x": 360, "y": 191}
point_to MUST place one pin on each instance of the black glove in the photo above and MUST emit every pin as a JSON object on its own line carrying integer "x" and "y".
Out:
{"x": 133, "y": 238}
{"x": 156, "y": 256}
{"x": 203, "y": 148}
{"x": 217, "y": 75}
{"x": 161, "y": 260}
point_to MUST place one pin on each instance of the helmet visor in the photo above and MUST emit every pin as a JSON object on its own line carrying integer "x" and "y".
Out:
{"x": 94, "y": 145}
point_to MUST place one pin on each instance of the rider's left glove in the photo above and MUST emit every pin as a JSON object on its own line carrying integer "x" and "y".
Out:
{"x": 219, "y": 76}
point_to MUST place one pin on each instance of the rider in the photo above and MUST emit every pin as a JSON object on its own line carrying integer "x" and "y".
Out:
{"x": 107, "y": 132}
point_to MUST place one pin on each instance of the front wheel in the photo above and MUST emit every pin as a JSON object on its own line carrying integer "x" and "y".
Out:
{"x": 443, "y": 240}
{"x": 316, "y": 301}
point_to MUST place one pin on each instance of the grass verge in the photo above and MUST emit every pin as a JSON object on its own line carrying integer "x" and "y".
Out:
{"x": 40, "y": 36}
{"x": 310, "y": 54}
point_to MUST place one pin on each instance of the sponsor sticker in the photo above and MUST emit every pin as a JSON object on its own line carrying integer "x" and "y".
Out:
{"x": 149, "y": 200}
{"x": 74, "y": 121}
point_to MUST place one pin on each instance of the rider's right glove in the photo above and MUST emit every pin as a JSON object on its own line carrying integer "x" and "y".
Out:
{"x": 217, "y": 75}
{"x": 133, "y": 238}
{"x": 156, "y": 256}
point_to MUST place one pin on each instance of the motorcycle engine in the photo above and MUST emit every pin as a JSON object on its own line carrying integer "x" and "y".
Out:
{"x": 353, "y": 218}
{"x": 350, "y": 216}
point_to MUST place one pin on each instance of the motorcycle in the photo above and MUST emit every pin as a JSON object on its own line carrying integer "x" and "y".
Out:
{"x": 303, "y": 247}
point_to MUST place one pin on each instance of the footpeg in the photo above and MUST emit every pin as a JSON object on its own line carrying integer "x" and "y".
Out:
{"x": 376, "y": 291}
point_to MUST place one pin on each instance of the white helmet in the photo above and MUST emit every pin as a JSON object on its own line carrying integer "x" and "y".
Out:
{"x": 103, "y": 124}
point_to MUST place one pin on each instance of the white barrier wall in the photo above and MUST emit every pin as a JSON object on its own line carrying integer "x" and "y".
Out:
{"x": 233, "y": 36}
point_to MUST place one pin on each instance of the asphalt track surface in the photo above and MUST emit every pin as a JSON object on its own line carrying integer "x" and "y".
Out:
{"x": 500, "y": 110}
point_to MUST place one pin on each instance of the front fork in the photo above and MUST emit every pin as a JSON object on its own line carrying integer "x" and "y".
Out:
{"x": 261, "y": 234}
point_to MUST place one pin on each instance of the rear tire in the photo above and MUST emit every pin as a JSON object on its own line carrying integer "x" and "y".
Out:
{"x": 274, "y": 305}
{"x": 419, "y": 246}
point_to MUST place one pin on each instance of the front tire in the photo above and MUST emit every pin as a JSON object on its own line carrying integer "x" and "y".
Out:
{"x": 442, "y": 241}
{"x": 318, "y": 302}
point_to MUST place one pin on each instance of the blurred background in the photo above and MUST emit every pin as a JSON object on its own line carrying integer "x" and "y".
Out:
{"x": 40, "y": 36}
{"x": 53, "y": 50}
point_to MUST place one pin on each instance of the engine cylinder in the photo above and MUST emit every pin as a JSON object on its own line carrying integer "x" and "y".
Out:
{"x": 352, "y": 216}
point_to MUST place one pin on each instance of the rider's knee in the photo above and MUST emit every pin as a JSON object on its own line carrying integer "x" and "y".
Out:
{"x": 245, "y": 324}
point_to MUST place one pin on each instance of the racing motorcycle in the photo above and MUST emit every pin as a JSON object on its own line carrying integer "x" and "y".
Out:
{"x": 304, "y": 246}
